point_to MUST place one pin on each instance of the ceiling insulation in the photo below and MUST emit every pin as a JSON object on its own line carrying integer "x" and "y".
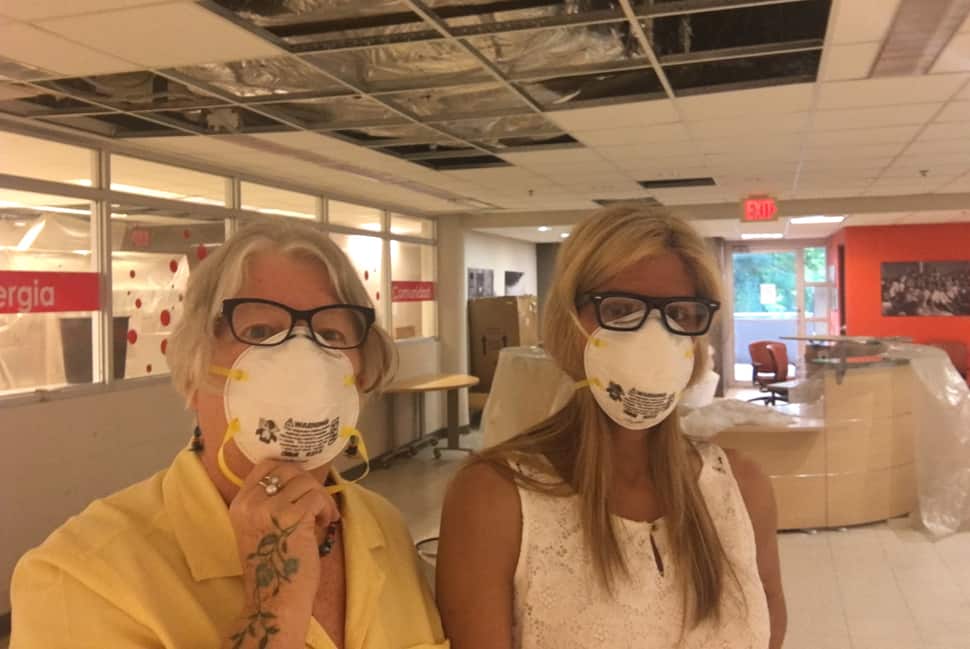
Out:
{"x": 444, "y": 79}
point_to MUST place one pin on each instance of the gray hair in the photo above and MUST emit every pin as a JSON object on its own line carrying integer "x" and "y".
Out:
{"x": 220, "y": 277}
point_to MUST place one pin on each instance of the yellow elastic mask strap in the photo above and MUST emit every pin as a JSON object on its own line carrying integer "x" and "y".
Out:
{"x": 588, "y": 383}
{"x": 229, "y": 373}
{"x": 358, "y": 439}
{"x": 231, "y": 476}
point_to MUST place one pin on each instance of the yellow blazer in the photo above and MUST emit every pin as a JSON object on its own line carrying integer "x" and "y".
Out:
{"x": 156, "y": 565}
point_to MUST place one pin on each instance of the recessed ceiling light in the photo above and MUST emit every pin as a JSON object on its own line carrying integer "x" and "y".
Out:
{"x": 765, "y": 235}
{"x": 564, "y": 235}
{"x": 543, "y": 228}
{"x": 812, "y": 220}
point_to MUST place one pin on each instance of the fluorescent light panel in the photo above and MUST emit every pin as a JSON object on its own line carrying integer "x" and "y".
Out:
{"x": 762, "y": 235}
{"x": 814, "y": 220}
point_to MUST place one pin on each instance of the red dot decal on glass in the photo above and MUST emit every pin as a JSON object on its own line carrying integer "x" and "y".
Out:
{"x": 173, "y": 265}
{"x": 132, "y": 336}
{"x": 201, "y": 252}
{"x": 378, "y": 296}
{"x": 138, "y": 303}
{"x": 164, "y": 346}
{"x": 366, "y": 275}
{"x": 166, "y": 318}
{"x": 131, "y": 274}
{"x": 148, "y": 368}
{"x": 186, "y": 234}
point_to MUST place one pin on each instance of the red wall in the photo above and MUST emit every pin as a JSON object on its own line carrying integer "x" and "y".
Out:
{"x": 866, "y": 248}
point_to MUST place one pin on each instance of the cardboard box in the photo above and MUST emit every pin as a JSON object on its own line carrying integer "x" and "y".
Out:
{"x": 495, "y": 323}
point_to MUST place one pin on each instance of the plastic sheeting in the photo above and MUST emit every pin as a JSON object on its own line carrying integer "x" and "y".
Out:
{"x": 942, "y": 413}
{"x": 528, "y": 387}
{"x": 706, "y": 422}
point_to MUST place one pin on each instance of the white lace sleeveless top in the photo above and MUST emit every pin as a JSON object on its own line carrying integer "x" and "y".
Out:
{"x": 558, "y": 603}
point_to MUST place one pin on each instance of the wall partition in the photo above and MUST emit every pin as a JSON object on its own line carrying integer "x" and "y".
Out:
{"x": 93, "y": 269}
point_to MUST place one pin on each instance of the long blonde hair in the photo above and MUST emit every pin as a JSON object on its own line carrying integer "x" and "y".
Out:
{"x": 576, "y": 439}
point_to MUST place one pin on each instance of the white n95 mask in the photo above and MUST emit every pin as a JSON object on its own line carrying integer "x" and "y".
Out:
{"x": 637, "y": 377}
{"x": 296, "y": 402}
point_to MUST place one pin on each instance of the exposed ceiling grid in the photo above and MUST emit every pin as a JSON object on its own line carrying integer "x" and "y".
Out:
{"x": 637, "y": 93}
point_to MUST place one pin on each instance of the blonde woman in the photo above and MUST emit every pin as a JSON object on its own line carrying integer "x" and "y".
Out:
{"x": 249, "y": 539}
{"x": 603, "y": 526}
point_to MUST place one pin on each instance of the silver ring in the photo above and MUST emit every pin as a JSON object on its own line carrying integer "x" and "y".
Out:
{"x": 270, "y": 484}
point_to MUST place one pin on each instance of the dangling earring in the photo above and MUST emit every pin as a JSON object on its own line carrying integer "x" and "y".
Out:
{"x": 351, "y": 450}
{"x": 196, "y": 445}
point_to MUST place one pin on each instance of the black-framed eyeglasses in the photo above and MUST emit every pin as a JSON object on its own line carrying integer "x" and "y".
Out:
{"x": 684, "y": 316}
{"x": 253, "y": 321}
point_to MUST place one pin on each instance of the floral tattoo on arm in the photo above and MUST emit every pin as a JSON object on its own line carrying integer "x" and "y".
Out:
{"x": 273, "y": 569}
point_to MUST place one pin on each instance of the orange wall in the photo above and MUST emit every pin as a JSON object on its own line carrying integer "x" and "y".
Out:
{"x": 866, "y": 248}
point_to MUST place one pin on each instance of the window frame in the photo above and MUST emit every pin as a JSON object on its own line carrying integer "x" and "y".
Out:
{"x": 231, "y": 214}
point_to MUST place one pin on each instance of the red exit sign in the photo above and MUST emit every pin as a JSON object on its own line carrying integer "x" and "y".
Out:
{"x": 759, "y": 208}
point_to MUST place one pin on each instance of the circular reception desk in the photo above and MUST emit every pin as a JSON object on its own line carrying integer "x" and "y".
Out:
{"x": 848, "y": 457}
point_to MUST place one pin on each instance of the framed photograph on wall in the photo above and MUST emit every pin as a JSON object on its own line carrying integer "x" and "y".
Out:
{"x": 481, "y": 283}
{"x": 926, "y": 288}
{"x": 513, "y": 283}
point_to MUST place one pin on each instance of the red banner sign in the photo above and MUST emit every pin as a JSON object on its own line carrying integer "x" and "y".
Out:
{"x": 41, "y": 292}
{"x": 412, "y": 291}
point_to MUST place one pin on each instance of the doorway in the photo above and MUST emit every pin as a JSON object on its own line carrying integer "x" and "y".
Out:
{"x": 775, "y": 291}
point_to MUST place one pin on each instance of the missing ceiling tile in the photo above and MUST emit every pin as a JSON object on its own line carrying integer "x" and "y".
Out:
{"x": 481, "y": 161}
{"x": 747, "y": 26}
{"x": 750, "y": 72}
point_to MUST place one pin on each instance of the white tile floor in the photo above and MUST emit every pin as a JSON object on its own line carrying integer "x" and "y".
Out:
{"x": 883, "y": 586}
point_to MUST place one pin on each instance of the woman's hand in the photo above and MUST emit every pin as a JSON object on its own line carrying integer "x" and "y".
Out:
{"x": 278, "y": 547}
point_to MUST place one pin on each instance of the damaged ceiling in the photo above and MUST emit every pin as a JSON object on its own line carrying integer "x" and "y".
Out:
{"x": 444, "y": 84}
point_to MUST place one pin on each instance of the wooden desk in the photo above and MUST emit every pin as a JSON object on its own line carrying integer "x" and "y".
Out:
{"x": 846, "y": 460}
{"x": 418, "y": 387}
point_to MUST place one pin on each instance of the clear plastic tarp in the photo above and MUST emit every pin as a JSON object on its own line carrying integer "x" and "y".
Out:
{"x": 941, "y": 408}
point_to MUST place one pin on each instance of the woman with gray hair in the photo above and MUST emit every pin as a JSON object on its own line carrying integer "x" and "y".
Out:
{"x": 249, "y": 538}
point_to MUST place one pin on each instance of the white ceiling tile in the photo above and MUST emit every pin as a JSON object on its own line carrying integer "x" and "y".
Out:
{"x": 829, "y": 192}
{"x": 955, "y": 57}
{"x": 792, "y": 98}
{"x": 955, "y": 111}
{"x": 903, "y": 168}
{"x": 37, "y": 48}
{"x": 895, "y": 187}
{"x": 889, "y": 134}
{"x": 674, "y": 152}
{"x": 764, "y": 125}
{"x": 690, "y": 195}
{"x": 658, "y": 133}
{"x": 860, "y": 166}
{"x": 144, "y": 35}
{"x": 30, "y": 10}
{"x": 946, "y": 131}
{"x": 656, "y": 170}
{"x": 957, "y": 146}
{"x": 833, "y": 120}
{"x": 965, "y": 93}
{"x": 889, "y": 91}
{"x": 554, "y": 157}
{"x": 851, "y": 151}
{"x": 853, "y": 61}
{"x": 640, "y": 113}
{"x": 778, "y": 146}
{"x": 858, "y": 21}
